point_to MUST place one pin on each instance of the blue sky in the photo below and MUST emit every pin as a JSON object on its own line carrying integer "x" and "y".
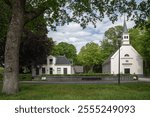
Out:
{"x": 74, "y": 34}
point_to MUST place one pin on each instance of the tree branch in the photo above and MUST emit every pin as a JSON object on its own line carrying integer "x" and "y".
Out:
{"x": 8, "y": 2}
{"x": 35, "y": 12}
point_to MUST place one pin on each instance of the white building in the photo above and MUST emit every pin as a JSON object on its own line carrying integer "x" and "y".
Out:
{"x": 131, "y": 61}
{"x": 57, "y": 65}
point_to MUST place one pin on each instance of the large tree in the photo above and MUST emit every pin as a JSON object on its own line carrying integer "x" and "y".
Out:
{"x": 35, "y": 45}
{"x": 90, "y": 55}
{"x": 140, "y": 39}
{"x": 4, "y": 21}
{"x": 110, "y": 42}
{"x": 66, "y": 49}
{"x": 58, "y": 12}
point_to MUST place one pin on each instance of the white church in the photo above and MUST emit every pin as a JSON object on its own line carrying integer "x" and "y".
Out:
{"x": 131, "y": 61}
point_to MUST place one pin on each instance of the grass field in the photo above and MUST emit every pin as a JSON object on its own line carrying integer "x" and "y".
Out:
{"x": 130, "y": 91}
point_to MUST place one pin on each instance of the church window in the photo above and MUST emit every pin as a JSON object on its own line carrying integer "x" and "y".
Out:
{"x": 126, "y": 55}
{"x": 125, "y": 37}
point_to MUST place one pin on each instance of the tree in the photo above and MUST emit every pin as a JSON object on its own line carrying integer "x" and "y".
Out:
{"x": 90, "y": 55}
{"x": 34, "y": 38}
{"x": 66, "y": 49}
{"x": 57, "y": 13}
{"x": 35, "y": 45}
{"x": 34, "y": 51}
{"x": 140, "y": 39}
{"x": 4, "y": 21}
{"x": 110, "y": 43}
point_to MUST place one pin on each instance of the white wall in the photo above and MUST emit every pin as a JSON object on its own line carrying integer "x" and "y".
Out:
{"x": 48, "y": 66}
{"x": 135, "y": 61}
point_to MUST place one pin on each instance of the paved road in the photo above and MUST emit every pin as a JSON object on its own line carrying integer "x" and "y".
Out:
{"x": 144, "y": 79}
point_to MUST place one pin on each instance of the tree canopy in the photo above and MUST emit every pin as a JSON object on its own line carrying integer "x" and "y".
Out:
{"x": 110, "y": 42}
{"x": 140, "y": 39}
{"x": 4, "y": 22}
{"x": 66, "y": 49}
{"x": 90, "y": 55}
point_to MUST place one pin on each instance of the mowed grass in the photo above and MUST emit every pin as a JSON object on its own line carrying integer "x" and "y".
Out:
{"x": 130, "y": 91}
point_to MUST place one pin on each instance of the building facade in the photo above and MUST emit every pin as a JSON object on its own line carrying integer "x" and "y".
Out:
{"x": 57, "y": 65}
{"x": 131, "y": 61}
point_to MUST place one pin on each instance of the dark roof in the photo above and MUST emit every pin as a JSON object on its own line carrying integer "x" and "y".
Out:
{"x": 61, "y": 60}
{"x": 125, "y": 29}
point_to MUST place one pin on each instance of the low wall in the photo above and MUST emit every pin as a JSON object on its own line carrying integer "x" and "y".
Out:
{"x": 85, "y": 78}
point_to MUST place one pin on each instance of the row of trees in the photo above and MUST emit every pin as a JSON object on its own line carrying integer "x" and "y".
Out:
{"x": 140, "y": 39}
{"x": 93, "y": 55}
{"x": 35, "y": 46}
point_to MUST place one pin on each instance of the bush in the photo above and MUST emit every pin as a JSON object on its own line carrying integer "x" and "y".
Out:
{"x": 84, "y": 74}
{"x": 25, "y": 77}
{"x": 22, "y": 77}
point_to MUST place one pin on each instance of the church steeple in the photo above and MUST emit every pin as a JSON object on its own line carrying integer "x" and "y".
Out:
{"x": 125, "y": 30}
{"x": 125, "y": 36}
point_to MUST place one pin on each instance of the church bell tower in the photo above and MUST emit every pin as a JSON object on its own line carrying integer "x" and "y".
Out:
{"x": 125, "y": 36}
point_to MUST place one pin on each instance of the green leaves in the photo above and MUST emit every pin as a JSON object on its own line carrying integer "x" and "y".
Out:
{"x": 90, "y": 54}
{"x": 109, "y": 43}
{"x": 59, "y": 12}
{"x": 66, "y": 49}
{"x": 140, "y": 39}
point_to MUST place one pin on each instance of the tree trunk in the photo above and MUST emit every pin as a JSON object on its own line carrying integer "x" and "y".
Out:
{"x": 10, "y": 83}
{"x": 91, "y": 68}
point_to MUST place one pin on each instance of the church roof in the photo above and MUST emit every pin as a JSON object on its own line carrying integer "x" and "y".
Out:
{"x": 125, "y": 29}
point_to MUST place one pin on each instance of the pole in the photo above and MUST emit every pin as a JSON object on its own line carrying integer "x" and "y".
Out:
{"x": 119, "y": 63}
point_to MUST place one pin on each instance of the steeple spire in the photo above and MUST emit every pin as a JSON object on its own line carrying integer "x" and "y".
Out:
{"x": 125, "y": 29}
{"x": 125, "y": 36}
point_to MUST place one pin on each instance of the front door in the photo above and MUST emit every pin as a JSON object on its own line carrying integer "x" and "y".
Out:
{"x": 37, "y": 71}
{"x": 127, "y": 70}
{"x": 65, "y": 70}
{"x": 50, "y": 70}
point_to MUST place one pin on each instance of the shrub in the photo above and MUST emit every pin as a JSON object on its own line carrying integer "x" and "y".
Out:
{"x": 84, "y": 74}
{"x": 25, "y": 77}
{"x": 22, "y": 77}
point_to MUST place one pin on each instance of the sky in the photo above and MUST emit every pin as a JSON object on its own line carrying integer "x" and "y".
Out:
{"x": 74, "y": 34}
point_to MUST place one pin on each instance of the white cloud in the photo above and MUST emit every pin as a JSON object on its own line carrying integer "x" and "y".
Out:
{"x": 77, "y": 36}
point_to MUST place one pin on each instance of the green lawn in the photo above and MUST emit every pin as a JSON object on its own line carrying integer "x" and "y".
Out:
{"x": 130, "y": 91}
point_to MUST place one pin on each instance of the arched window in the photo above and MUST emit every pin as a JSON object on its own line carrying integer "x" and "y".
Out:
{"x": 126, "y": 55}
